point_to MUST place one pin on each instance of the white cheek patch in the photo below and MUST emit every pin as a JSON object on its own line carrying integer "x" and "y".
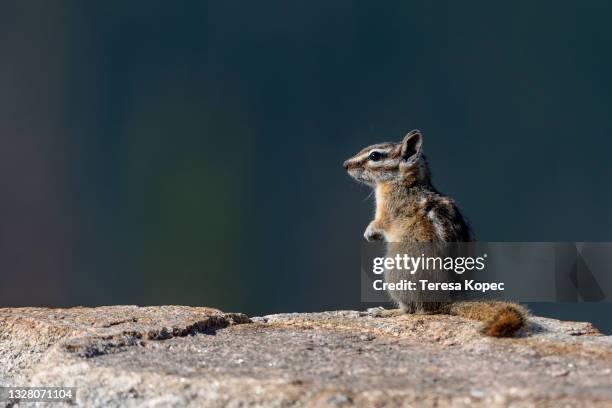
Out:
{"x": 387, "y": 176}
{"x": 383, "y": 163}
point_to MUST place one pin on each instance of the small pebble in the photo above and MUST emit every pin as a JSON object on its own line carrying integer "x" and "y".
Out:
{"x": 559, "y": 373}
{"x": 339, "y": 399}
{"x": 375, "y": 311}
{"x": 477, "y": 393}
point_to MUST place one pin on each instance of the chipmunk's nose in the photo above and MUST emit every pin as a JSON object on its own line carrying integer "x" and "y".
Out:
{"x": 345, "y": 165}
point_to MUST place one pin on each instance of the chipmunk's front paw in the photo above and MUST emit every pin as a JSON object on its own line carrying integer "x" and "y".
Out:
{"x": 373, "y": 234}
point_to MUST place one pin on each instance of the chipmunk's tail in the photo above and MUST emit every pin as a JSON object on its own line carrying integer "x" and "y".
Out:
{"x": 500, "y": 319}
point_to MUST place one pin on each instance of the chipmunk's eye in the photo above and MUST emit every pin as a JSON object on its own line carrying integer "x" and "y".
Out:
{"x": 375, "y": 156}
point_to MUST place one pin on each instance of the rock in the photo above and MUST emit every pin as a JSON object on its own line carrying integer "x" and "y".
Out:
{"x": 187, "y": 356}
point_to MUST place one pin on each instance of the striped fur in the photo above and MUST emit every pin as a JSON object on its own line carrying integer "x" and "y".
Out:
{"x": 410, "y": 210}
{"x": 408, "y": 207}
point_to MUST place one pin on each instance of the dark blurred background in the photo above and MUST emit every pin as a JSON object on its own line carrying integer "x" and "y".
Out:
{"x": 190, "y": 152}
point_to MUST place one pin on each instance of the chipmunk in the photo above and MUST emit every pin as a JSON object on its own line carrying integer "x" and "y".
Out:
{"x": 410, "y": 210}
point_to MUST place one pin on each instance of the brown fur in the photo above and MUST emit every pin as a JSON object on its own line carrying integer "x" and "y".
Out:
{"x": 500, "y": 319}
{"x": 410, "y": 210}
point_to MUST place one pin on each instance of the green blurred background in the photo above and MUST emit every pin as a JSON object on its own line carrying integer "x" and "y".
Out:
{"x": 190, "y": 152}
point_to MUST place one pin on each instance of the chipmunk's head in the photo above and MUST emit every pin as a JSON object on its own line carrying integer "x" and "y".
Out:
{"x": 391, "y": 162}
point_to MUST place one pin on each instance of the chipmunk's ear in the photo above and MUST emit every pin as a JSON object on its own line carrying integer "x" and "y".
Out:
{"x": 411, "y": 144}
